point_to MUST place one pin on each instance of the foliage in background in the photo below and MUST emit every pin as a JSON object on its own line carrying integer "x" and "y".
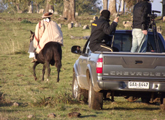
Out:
{"x": 130, "y": 3}
{"x": 82, "y": 6}
{"x": 16, "y": 5}
{"x": 2, "y": 6}
{"x": 86, "y": 6}
{"x": 25, "y": 21}
{"x": 38, "y": 4}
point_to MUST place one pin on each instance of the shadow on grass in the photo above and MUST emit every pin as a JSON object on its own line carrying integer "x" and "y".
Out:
{"x": 12, "y": 110}
{"x": 126, "y": 108}
{"x": 3, "y": 101}
{"x": 86, "y": 116}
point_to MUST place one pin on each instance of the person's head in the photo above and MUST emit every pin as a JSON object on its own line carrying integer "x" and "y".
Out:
{"x": 47, "y": 15}
{"x": 105, "y": 14}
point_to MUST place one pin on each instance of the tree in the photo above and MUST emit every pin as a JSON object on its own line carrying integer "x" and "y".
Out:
{"x": 37, "y": 4}
{"x": 30, "y": 6}
{"x": 62, "y": 6}
{"x": 163, "y": 8}
{"x": 71, "y": 15}
{"x": 122, "y": 6}
{"x": 112, "y": 7}
{"x": 66, "y": 8}
{"x": 119, "y": 6}
{"x": 17, "y": 5}
{"x": 57, "y": 5}
{"x": 69, "y": 10}
{"x": 47, "y": 5}
{"x": 13, "y": 2}
{"x": 130, "y": 3}
{"x": 2, "y": 6}
{"x": 87, "y": 6}
{"x": 105, "y": 4}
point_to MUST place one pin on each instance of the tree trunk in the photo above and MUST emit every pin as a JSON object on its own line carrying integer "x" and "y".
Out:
{"x": 125, "y": 10}
{"x": 47, "y": 6}
{"x": 71, "y": 15}
{"x": 105, "y": 4}
{"x": 119, "y": 6}
{"x": 17, "y": 7}
{"x": 122, "y": 6}
{"x": 30, "y": 6}
{"x": 112, "y": 7}
{"x": 37, "y": 8}
{"x": 69, "y": 10}
{"x": 73, "y": 9}
{"x": 163, "y": 9}
{"x": 66, "y": 9}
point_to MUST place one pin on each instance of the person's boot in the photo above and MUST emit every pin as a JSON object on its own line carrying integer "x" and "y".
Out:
{"x": 34, "y": 59}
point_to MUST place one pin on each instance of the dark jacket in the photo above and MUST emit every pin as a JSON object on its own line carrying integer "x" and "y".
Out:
{"x": 140, "y": 15}
{"x": 100, "y": 29}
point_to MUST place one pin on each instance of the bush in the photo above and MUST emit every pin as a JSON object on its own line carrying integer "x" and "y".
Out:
{"x": 25, "y": 21}
{"x": 62, "y": 98}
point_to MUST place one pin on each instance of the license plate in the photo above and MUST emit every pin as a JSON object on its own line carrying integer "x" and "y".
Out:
{"x": 138, "y": 85}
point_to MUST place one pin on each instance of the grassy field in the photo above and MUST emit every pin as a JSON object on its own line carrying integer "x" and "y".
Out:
{"x": 38, "y": 98}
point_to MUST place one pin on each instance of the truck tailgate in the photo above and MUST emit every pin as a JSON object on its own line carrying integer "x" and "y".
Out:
{"x": 134, "y": 66}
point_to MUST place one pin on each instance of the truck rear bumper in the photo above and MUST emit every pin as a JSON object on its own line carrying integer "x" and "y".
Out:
{"x": 123, "y": 86}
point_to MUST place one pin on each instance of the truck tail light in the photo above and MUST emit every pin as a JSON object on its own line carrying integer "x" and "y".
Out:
{"x": 99, "y": 65}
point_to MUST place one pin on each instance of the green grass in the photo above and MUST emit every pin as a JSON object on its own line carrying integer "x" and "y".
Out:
{"x": 39, "y": 98}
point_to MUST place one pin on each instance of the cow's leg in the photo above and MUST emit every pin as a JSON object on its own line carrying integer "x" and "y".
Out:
{"x": 43, "y": 72}
{"x": 34, "y": 73}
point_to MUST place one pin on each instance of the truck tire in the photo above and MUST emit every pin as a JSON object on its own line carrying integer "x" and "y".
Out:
{"x": 95, "y": 99}
{"x": 77, "y": 92}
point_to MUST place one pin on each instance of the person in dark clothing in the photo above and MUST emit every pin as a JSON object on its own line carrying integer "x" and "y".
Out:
{"x": 141, "y": 22}
{"x": 101, "y": 29}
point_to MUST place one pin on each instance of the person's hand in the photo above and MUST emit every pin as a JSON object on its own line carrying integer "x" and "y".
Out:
{"x": 145, "y": 32}
{"x": 116, "y": 19}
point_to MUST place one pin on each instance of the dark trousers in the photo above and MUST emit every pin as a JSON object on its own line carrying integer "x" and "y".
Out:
{"x": 105, "y": 48}
{"x": 102, "y": 47}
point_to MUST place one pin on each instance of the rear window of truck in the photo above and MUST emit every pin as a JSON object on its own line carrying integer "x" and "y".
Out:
{"x": 124, "y": 43}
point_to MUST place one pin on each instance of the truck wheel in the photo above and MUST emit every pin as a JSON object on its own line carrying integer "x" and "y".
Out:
{"x": 162, "y": 102}
{"x": 77, "y": 92}
{"x": 95, "y": 99}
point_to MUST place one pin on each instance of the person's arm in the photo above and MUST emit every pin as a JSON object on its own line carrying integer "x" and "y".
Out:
{"x": 108, "y": 29}
{"x": 116, "y": 19}
{"x": 145, "y": 20}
